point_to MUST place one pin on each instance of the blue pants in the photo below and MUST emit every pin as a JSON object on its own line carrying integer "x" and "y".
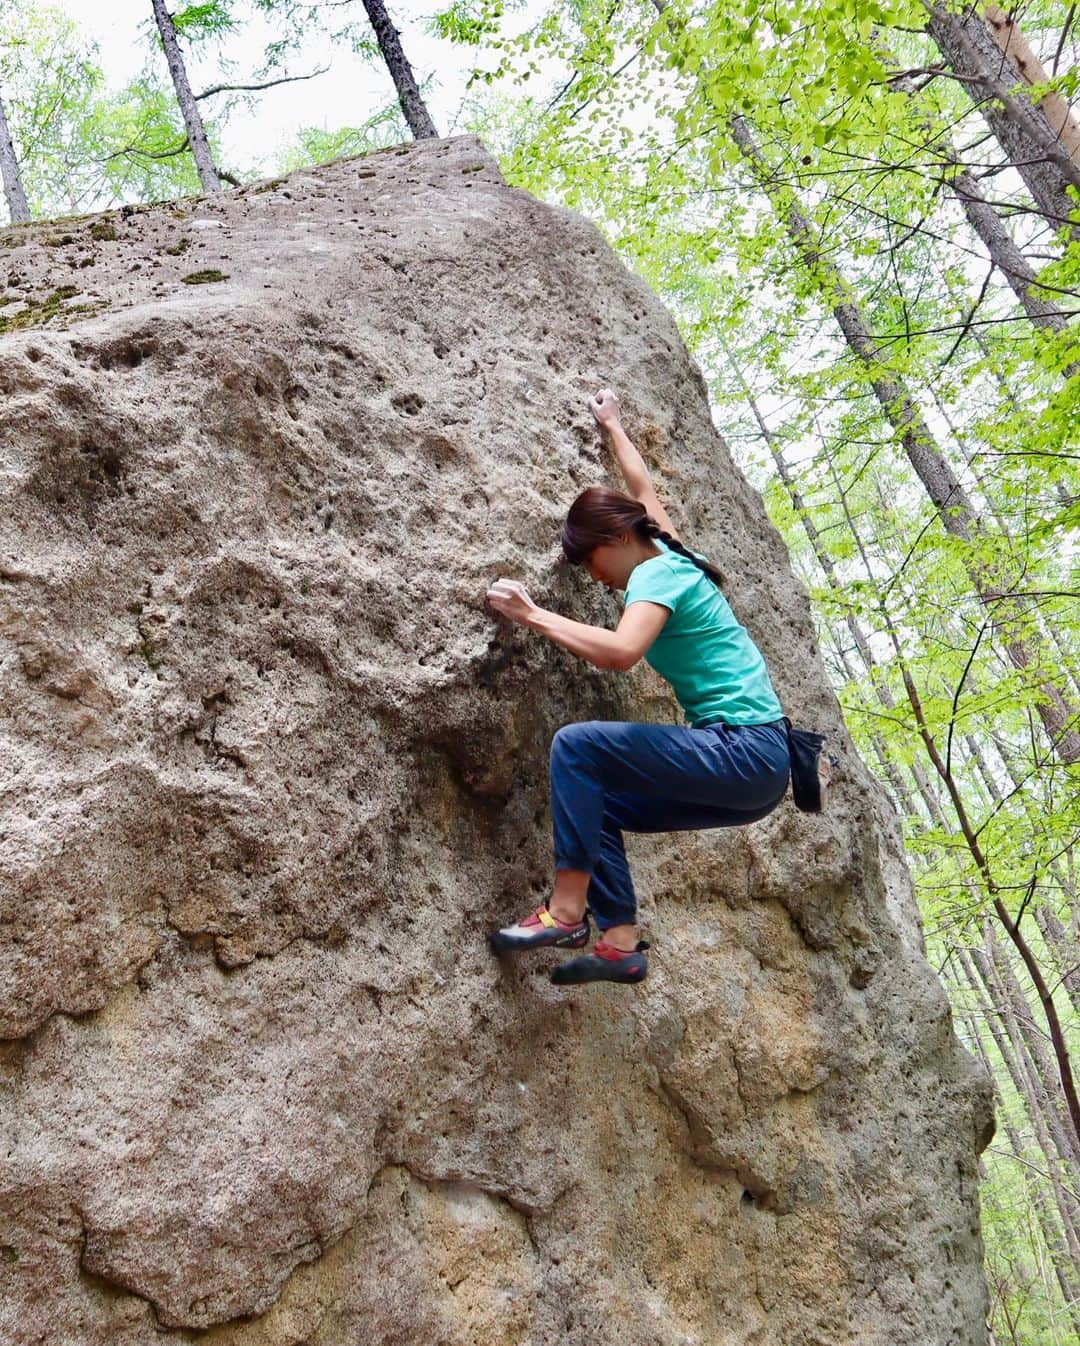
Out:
{"x": 608, "y": 777}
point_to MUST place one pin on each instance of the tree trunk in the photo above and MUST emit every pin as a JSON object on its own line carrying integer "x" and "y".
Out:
{"x": 1011, "y": 41}
{"x": 987, "y": 223}
{"x": 994, "y": 368}
{"x": 1070, "y": 665}
{"x": 901, "y": 796}
{"x": 1065, "y": 951}
{"x": 941, "y": 483}
{"x": 1066, "y": 1271}
{"x": 1021, "y": 1026}
{"x": 9, "y": 169}
{"x": 1009, "y": 260}
{"x": 1021, "y": 1083}
{"x": 961, "y": 441}
{"x": 412, "y": 103}
{"x": 1022, "y": 129}
{"x": 189, "y": 108}
{"x": 1059, "y": 1141}
{"x": 884, "y": 693}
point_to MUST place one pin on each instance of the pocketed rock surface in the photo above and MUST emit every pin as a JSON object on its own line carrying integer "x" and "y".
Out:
{"x": 271, "y": 770}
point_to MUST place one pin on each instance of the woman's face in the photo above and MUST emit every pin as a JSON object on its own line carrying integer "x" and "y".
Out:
{"x": 611, "y": 563}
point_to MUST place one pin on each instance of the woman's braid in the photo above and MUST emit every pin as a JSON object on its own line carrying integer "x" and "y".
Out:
{"x": 648, "y": 527}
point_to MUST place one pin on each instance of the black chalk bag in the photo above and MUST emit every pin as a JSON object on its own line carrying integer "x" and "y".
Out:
{"x": 807, "y": 786}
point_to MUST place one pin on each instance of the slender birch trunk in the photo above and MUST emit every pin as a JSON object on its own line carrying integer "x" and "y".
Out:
{"x": 1009, "y": 260}
{"x": 1045, "y": 1079}
{"x": 1048, "y": 631}
{"x": 1064, "y": 959}
{"x": 971, "y": 838}
{"x": 1036, "y": 1079}
{"x": 901, "y": 797}
{"x": 1065, "y": 950}
{"x": 1066, "y": 1270}
{"x": 409, "y": 96}
{"x": 862, "y": 644}
{"x": 942, "y": 485}
{"x": 189, "y": 108}
{"x": 1062, "y": 948}
{"x": 9, "y": 169}
{"x": 1070, "y": 665}
{"x": 985, "y": 220}
{"x": 925, "y": 789}
{"x": 993, "y": 366}
{"x": 994, "y": 1020}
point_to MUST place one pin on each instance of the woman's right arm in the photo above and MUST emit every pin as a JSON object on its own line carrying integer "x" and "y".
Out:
{"x": 604, "y": 406}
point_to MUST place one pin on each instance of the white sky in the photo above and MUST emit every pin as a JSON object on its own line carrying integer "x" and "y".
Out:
{"x": 350, "y": 91}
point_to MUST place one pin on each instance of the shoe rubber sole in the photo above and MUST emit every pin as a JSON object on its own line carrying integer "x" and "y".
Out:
{"x": 502, "y": 942}
{"x": 591, "y": 968}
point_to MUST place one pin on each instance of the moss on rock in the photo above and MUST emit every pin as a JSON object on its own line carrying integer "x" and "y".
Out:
{"x": 206, "y": 277}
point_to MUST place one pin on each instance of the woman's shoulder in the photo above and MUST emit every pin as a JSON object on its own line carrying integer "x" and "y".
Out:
{"x": 667, "y": 562}
{"x": 678, "y": 563}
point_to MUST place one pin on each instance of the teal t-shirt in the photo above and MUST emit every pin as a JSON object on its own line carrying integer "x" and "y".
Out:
{"x": 715, "y": 669}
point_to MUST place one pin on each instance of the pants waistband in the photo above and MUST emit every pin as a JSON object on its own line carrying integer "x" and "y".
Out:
{"x": 723, "y": 724}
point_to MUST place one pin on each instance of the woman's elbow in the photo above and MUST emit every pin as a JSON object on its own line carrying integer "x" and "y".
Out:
{"x": 624, "y": 659}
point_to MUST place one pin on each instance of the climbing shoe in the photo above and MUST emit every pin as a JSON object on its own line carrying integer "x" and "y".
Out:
{"x": 605, "y": 963}
{"x": 540, "y": 930}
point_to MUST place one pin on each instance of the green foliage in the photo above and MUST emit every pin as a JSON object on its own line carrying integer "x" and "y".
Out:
{"x": 196, "y": 23}
{"x": 345, "y": 25}
{"x": 316, "y": 145}
{"x": 138, "y": 138}
{"x": 468, "y": 22}
{"x": 81, "y": 147}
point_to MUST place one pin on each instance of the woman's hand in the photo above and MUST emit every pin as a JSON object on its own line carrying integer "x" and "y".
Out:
{"x": 604, "y": 406}
{"x": 511, "y": 599}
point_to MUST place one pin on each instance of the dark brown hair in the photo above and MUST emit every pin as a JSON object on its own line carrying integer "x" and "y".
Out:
{"x": 600, "y": 515}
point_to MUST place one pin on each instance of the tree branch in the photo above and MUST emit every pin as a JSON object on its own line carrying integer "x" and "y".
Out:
{"x": 269, "y": 84}
{"x": 1064, "y": 34}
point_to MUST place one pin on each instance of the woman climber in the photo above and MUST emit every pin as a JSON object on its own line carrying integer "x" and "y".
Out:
{"x": 728, "y": 767}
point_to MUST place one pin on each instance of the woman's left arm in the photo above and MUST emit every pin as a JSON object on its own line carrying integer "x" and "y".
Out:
{"x": 620, "y": 649}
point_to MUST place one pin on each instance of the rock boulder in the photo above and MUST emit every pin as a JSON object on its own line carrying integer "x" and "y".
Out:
{"x": 271, "y": 770}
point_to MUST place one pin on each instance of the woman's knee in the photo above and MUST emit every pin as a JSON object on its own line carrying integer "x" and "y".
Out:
{"x": 571, "y": 739}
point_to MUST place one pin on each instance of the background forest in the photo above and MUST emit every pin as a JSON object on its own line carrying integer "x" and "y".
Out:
{"x": 865, "y": 215}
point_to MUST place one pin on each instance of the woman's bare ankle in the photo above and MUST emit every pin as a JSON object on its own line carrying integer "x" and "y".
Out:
{"x": 562, "y": 911}
{"x": 622, "y": 937}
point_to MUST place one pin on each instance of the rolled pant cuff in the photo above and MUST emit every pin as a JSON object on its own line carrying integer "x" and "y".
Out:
{"x": 582, "y": 867}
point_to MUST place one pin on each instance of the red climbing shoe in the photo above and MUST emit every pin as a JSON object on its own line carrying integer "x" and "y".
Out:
{"x": 605, "y": 963}
{"x": 539, "y": 930}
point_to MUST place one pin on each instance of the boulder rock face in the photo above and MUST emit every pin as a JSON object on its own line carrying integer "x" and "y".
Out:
{"x": 271, "y": 770}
